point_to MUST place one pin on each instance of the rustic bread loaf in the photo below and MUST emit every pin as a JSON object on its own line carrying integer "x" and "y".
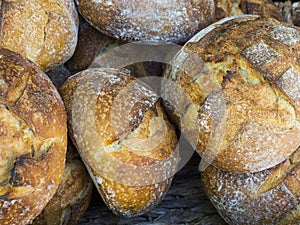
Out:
{"x": 268, "y": 197}
{"x": 168, "y": 20}
{"x": 72, "y": 196}
{"x": 33, "y": 133}
{"x": 239, "y": 99}
{"x": 123, "y": 136}
{"x": 43, "y": 31}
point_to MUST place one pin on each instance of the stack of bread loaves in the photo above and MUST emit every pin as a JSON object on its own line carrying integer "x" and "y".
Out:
{"x": 33, "y": 137}
{"x": 33, "y": 125}
{"x": 239, "y": 105}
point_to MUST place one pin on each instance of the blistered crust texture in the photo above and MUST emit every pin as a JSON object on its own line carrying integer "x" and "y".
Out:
{"x": 167, "y": 20}
{"x": 43, "y": 31}
{"x": 267, "y": 197}
{"x": 33, "y": 134}
{"x": 242, "y": 78}
{"x": 130, "y": 149}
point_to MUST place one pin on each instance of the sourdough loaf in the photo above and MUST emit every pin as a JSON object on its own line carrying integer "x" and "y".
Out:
{"x": 43, "y": 31}
{"x": 73, "y": 195}
{"x": 165, "y": 20}
{"x": 238, "y": 102}
{"x": 123, "y": 136}
{"x": 268, "y": 197}
{"x": 33, "y": 133}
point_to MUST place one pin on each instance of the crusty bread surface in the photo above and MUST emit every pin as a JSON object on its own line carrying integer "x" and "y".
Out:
{"x": 73, "y": 195}
{"x": 268, "y": 197}
{"x": 33, "y": 133}
{"x": 238, "y": 102}
{"x": 168, "y": 20}
{"x": 123, "y": 136}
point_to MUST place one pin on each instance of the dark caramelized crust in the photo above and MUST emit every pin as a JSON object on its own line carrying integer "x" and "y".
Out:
{"x": 242, "y": 76}
{"x": 124, "y": 137}
{"x": 32, "y": 139}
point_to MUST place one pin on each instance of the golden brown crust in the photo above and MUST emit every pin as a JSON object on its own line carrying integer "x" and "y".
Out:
{"x": 266, "y": 197}
{"x": 241, "y": 76}
{"x": 43, "y": 31}
{"x": 73, "y": 195}
{"x": 148, "y": 20}
{"x": 32, "y": 141}
{"x": 174, "y": 21}
{"x": 129, "y": 148}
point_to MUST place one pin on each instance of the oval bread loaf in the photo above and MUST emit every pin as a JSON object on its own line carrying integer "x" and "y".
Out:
{"x": 268, "y": 197}
{"x": 164, "y": 20}
{"x": 239, "y": 99}
{"x": 43, "y": 31}
{"x": 123, "y": 136}
{"x": 73, "y": 195}
{"x": 33, "y": 139}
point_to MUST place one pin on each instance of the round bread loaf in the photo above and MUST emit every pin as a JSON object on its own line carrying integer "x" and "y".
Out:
{"x": 123, "y": 136}
{"x": 239, "y": 99}
{"x": 166, "y": 20}
{"x": 33, "y": 133}
{"x": 73, "y": 195}
{"x": 43, "y": 31}
{"x": 268, "y": 197}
